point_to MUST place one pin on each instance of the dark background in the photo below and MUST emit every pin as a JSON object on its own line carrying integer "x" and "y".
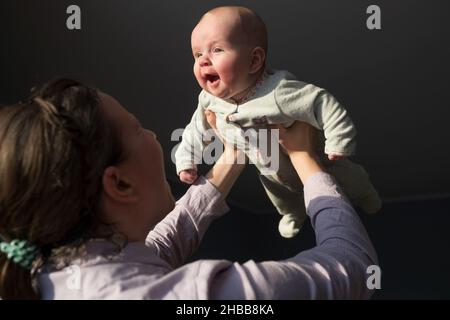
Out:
{"x": 393, "y": 81}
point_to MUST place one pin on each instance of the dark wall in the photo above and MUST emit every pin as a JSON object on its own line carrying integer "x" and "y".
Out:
{"x": 393, "y": 81}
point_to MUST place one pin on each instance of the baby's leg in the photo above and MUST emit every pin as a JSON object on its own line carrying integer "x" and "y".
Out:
{"x": 288, "y": 203}
{"x": 355, "y": 181}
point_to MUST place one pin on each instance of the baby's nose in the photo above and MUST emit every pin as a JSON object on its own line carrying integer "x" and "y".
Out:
{"x": 204, "y": 62}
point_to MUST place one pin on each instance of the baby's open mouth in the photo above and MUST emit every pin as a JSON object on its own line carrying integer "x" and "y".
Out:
{"x": 212, "y": 78}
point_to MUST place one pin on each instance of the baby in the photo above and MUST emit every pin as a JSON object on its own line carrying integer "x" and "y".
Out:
{"x": 229, "y": 45}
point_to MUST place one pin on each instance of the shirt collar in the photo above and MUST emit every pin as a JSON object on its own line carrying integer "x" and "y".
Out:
{"x": 251, "y": 92}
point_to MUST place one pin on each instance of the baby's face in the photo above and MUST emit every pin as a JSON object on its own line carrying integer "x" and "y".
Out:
{"x": 222, "y": 58}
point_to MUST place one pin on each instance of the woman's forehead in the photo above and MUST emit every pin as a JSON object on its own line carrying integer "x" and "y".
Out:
{"x": 115, "y": 112}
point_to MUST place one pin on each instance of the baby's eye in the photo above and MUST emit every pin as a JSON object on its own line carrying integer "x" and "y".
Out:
{"x": 197, "y": 55}
{"x": 216, "y": 50}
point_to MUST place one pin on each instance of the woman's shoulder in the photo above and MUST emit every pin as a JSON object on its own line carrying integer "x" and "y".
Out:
{"x": 101, "y": 272}
{"x": 130, "y": 279}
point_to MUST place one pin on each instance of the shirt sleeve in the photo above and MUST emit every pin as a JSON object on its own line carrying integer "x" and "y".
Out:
{"x": 306, "y": 102}
{"x": 189, "y": 152}
{"x": 335, "y": 269}
{"x": 178, "y": 235}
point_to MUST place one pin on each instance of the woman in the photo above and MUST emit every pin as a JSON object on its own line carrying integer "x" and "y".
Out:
{"x": 86, "y": 212}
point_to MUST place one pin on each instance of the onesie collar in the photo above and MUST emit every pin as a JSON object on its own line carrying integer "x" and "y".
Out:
{"x": 252, "y": 91}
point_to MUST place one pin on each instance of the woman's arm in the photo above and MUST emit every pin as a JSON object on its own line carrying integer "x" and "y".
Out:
{"x": 335, "y": 269}
{"x": 178, "y": 235}
{"x": 298, "y": 142}
{"x": 228, "y": 167}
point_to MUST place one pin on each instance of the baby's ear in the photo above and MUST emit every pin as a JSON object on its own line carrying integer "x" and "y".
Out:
{"x": 258, "y": 59}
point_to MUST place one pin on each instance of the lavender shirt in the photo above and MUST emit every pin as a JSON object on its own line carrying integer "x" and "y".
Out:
{"x": 335, "y": 269}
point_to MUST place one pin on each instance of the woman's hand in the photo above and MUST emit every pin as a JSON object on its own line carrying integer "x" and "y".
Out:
{"x": 298, "y": 141}
{"x": 211, "y": 118}
{"x": 230, "y": 164}
{"x": 299, "y": 137}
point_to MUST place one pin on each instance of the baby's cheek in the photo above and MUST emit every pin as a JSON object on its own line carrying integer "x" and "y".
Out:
{"x": 223, "y": 67}
{"x": 199, "y": 80}
{"x": 237, "y": 74}
{"x": 196, "y": 70}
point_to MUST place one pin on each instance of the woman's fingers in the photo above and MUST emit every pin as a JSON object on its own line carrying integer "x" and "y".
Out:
{"x": 211, "y": 118}
{"x": 280, "y": 127}
{"x": 298, "y": 137}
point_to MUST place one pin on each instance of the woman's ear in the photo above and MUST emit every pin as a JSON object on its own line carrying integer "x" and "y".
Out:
{"x": 118, "y": 187}
{"x": 258, "y": 59}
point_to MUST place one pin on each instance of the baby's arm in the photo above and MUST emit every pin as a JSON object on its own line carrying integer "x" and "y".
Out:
{"x": 306, "y": 102}
{"x": 339, "y": 130}
{"x": 190, "y": 150}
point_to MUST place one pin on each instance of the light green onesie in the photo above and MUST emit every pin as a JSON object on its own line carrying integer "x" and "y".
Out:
{"x": 282, "y": 99}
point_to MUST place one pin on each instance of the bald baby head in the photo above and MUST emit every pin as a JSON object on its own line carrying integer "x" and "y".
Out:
{"x": 229, "y": 46}
{"x": 243, "y": 22}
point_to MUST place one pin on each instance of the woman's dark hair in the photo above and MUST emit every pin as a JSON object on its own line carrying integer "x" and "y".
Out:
{"x": 54, "y": 148}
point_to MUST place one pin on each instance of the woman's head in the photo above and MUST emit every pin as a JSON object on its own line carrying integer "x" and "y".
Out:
{"x": 136, "y": 194}
{"x": 69, "y": 164}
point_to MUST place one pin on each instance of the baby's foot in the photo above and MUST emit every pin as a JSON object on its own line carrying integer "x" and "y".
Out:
{"x": 371, "y": 203}
{"x": 289, "y": 226}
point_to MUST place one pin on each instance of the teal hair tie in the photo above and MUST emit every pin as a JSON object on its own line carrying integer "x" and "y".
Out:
{"x": 20, "y": 252}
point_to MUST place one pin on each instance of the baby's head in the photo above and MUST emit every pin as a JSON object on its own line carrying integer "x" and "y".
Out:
{"x": 229, "y": 45}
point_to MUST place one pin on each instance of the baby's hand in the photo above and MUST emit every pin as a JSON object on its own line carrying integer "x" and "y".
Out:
{"x": 335, "y": 157}
{"x": 188, "y": 176}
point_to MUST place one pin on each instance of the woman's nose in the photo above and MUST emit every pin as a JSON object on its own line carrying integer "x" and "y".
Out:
{"x": 151, "y": 132}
